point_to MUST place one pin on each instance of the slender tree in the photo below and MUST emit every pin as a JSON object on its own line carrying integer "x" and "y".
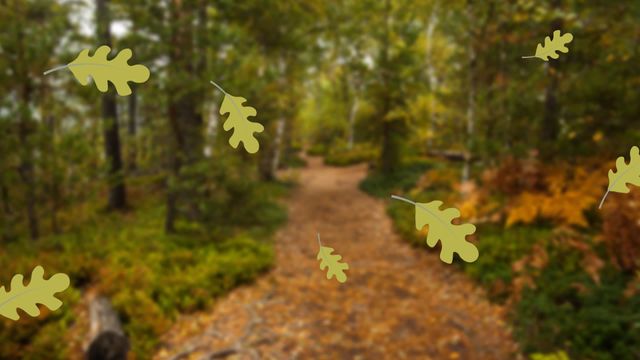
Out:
{"x": 113, "y": 153}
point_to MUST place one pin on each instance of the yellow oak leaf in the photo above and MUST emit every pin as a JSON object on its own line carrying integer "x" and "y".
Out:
{"x": 625, "y": 174}
{"x": 332, "y": 263}
{"x": 552, "y": 46}
{"x": 243, "y": 129}
{"x": 451, "y": 236}
{"x": 39, "y": 291}
{"x": 102, "y": 70}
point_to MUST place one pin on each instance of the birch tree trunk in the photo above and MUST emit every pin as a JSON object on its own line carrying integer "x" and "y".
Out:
{"x": 471, "y": 101}
{"x": 430, "y": 68}
{"x": 212, "y": 128}
{"x": 352, "y": 120}
{"x": 277, "y": 151}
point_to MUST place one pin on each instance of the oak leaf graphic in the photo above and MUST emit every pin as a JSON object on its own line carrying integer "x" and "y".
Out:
{"x": 625, "y": 174}
{"x": 117, "y": 71}
{"x": 38, "y": 291}
{"x": 332, "y": 263}
{"x": 243, "y": 129}
{"x": 451, "y": 236}
{"x": 552, "y": 46}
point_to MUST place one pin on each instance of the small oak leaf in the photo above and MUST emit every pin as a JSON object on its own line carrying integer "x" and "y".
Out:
{"x": 332, "y": 263}
{"x": 552, "y": 46}
{"x": 243, "y": 129}
{"x": 625, "y": 174}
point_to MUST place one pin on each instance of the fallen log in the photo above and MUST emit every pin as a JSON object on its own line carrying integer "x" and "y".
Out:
{"x": 450, "y": 155}
{"x": 108, "y": 340}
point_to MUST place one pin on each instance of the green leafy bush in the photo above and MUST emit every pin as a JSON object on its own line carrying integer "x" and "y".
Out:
{"x": 567, "y": 309}
{"x": 149, "y": 276}
{"x": 500, "y": 248}
{"x": 317, "y": 150}
{"x": 381, "y": 185}
{"x": 343, "y": 156}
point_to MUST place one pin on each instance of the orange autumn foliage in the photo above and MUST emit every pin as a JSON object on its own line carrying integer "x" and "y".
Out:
{"x": 514, "y": 176}
{"x": 475, "y": 204}
{"x": 567, "y": 193}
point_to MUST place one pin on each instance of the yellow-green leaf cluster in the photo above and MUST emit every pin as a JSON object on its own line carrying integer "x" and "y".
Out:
{"x": 565, "y": 198}
{"x": 39, "y": 291}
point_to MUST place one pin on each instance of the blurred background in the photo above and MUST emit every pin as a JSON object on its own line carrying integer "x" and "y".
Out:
{"x": 141, "y": 199}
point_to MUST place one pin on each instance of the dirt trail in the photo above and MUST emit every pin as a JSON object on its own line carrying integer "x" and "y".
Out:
{"x": 398, "y": 302}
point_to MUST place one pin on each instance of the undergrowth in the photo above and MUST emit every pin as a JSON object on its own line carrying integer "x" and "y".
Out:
{"x": 564, "y": 294}
{"x": 149, "y": 276}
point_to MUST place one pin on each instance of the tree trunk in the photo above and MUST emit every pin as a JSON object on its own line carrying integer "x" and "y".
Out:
{"x": 117, "y": 191}
{"x": 550, "y": 127}
{"x": 54, "y": 186}
{"x": 6, "y": 218}
{"x": 184, "y": 105}
{"x": 133, "y": 128}
{"x": 352, "y": 120}
{"x": 25, "y": 130}
{"x": 430, "y": 68}
{"x": 471, "y": 102}
{"x": 277, "y": 146}
{"x": 390, "y": 153}
{"x": 213, "y": 120}
{"x": 107, "y": 339}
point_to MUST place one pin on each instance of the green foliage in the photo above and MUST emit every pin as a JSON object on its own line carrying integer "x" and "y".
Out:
{"x": 384, "y": 184}
{"x": 317, "y": 150}
{"x": 500, "y": 248}
{"x": 149, "y": 276}
{"x": 293, "y": 160}
{"x": 344, "y": 157}
{"x": 568, "y": 310}
{"x": 560, "y": 355}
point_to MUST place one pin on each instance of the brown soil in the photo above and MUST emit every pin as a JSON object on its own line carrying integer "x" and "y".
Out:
{"x": 399, "y": 302}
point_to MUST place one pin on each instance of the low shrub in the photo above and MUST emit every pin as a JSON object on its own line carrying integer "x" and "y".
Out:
{"x": 149, "y": 276}
{"x": 343, "y": 156}
{"x": 383, "y": 185}
{"x": 317, "y": 150}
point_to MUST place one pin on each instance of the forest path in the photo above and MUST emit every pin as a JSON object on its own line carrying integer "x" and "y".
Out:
{"x": 398, "y": 302}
